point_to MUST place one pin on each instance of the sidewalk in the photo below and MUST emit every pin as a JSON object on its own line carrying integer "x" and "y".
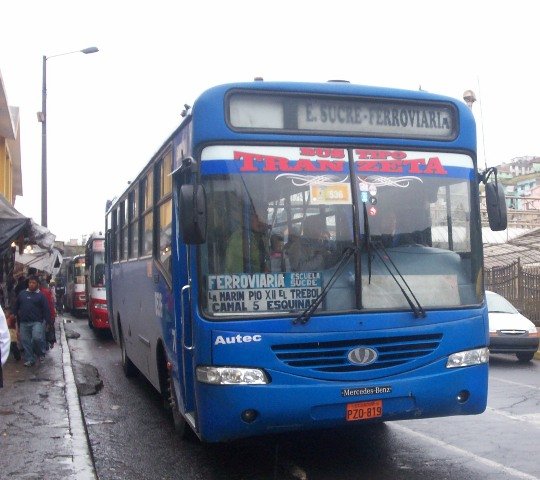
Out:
{"x": 42, "y": 432}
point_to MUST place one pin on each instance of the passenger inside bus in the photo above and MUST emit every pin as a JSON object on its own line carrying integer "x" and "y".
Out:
{"x": 99, "y": 275}
{"x": 312, "y": 251}
{"x": 278, "y": 261}
{"x": 400, "y": 227}
{"x": 389, "y": 235}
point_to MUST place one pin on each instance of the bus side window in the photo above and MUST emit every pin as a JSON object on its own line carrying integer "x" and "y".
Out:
{"x": 99, "y": 275}
{"x": 163, "y": 221}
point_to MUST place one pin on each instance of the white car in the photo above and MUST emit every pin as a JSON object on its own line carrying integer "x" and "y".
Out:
{"x": 509, "y": 331}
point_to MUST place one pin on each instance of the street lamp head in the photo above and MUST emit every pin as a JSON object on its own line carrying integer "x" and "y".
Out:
{"x": 469, "y": 97}
{"x": 90, "y": 50}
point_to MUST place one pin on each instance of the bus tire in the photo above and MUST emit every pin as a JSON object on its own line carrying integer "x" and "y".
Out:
{"x": 525, "y": 357}
{"x": 179, "y": 422}
{"x": 127, "y": 365}
{"x": 163, "y": 376}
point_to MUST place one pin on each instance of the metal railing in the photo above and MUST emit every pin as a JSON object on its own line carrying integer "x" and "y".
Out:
{"x": 529, "y": 218}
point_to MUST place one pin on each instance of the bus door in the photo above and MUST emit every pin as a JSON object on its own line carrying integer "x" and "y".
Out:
{"x": 108, "y": 283}
{"x": 184, "y": 338}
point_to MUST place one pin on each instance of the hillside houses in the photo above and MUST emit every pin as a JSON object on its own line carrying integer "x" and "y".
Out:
{"x": 521, "y": 179}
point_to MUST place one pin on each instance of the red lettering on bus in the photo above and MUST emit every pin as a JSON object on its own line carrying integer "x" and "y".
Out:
{"x": 434, "y": 166}
{"x": 338, "y": 153}
{"x": 414, "y": 165}
{"x": 391, "y": 166}
{"x": 379, "y": 154}
{"x": 251, "y": 162}
{"x": 307, "y": 151}
{"x": 369, "y": 166}
{"x": 328, "y": 165}
{"x": 248, "y": 161}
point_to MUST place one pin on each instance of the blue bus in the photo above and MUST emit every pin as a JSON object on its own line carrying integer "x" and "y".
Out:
{"x": 301, "y": 256}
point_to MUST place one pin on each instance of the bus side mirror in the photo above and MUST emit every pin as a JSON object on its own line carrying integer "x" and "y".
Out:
{"x": 496, "y": 206}
{"x": 192, "y": 200}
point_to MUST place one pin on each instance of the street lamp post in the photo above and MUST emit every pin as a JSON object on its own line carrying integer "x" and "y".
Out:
{"x": 42, "y": 117}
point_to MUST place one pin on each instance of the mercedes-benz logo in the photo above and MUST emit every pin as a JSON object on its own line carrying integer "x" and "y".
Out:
{"x": 362, "y": 356}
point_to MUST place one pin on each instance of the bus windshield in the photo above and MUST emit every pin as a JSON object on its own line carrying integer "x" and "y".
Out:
{"x": 79, "y": 273}
{"x": 98, "y": 271}
{"x": 291, "y": 218}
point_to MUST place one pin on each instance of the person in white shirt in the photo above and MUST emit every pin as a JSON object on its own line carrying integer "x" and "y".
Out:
{"x": 5, "y": 343}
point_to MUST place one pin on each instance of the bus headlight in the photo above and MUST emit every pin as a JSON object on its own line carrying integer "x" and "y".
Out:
{"x": 231, "y": 376}
{"x": 468, "y": 357}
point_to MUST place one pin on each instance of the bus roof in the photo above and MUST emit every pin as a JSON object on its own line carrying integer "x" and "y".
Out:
{"x": 210, "y": 104}
{"x": 331, "y": 87}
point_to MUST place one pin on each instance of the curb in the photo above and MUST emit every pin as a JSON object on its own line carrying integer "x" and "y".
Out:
{"x": 82, "y": 454}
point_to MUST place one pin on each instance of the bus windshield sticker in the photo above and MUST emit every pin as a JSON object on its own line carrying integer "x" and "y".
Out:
{"x": 264, "y": 159}
{"x": 390, "y": 162}
{"x": 263, "y": 292}
{"x": 368, "y": 184}
{"x": 330, "y": 193}
{"x": 382, "y": 161}
{"x": 332, "y": 161}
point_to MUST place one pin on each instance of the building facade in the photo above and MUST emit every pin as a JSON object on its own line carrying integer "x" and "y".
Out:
{"x": 10, "y": 149}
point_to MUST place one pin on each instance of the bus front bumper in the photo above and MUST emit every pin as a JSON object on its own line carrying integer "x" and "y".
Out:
{"x": 288, "y": 403}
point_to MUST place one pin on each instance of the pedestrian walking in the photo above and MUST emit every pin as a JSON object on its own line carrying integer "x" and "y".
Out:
{"x": 52, "y": 288}
{"x": 60, "y": 290}
{"x": 20, "y": 285}
{"x": 32, "y": 311}
{"x": 15, "y": 348}
{"x": 50, "y": 334}
{"x": 5, "y": 341}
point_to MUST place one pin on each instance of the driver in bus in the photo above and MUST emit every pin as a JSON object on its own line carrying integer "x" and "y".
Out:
{"x": 389, "y": 235}
{"x": 247, "y": 249}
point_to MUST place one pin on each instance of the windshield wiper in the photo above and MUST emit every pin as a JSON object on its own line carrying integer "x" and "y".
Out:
{"x": 368, "y": 241}
{"x": 417, "y": 309}
{"x": 304, "y": 317}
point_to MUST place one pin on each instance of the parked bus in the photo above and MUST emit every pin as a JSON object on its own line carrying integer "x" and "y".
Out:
{"x": 371, "y": 305}
{"x": 75, "y": 296}
{"x": 96, "y": 300}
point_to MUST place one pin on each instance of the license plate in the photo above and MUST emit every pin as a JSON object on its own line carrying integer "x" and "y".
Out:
{"x": 363, "y": 410}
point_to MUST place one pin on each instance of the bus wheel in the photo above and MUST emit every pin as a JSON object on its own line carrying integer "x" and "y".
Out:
{"x": 127, "y": 365}
{"x": 179, "y": 421}
{"x": 525, "y": 357}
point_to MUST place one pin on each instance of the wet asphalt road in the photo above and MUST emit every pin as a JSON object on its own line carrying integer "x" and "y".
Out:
{"x": 132, "y": 437}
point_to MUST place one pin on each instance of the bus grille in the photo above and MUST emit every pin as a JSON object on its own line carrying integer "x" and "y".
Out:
{"x": 332, "y": 356}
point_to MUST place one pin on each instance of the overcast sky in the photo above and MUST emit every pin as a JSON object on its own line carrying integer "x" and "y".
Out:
{"x": 108, "y": 112}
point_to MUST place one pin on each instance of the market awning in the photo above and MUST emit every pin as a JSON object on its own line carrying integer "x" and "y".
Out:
{"x": 14, "y": 225}
{"x": 42, "y": 260}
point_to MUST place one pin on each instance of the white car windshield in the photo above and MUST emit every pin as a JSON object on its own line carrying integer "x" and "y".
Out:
{"x": 498, "y": 304}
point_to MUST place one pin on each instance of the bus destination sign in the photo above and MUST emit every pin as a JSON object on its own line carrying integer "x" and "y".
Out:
{"x": 263, "y": 292}
{"x": 375, "y": 117}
